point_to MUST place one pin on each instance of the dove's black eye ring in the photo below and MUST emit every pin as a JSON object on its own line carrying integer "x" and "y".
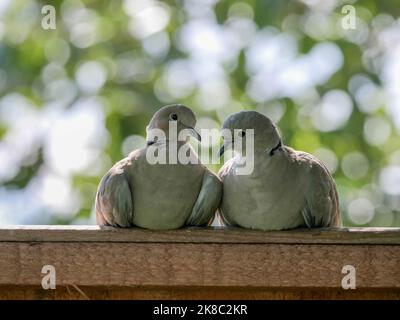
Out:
{"x": 242, "y": 133}
{"x": 174, "y": 116}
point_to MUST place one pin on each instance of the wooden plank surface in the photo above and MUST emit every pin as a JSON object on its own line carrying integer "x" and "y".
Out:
{"x": 198, "y": 263}
{"x": 199, "y": 235}
{"x": 196, "y": 293}
{"x": 162, "y": 264}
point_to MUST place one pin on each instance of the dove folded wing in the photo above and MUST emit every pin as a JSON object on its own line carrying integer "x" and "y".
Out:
{"x": 114, "y": 205}
{"x": 207, "y": 201}
{"x": 321, "y": 207}
{"x": 222, "y": 173}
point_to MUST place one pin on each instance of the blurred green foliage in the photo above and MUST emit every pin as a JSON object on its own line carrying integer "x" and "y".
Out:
{"x": 135, "y": 55}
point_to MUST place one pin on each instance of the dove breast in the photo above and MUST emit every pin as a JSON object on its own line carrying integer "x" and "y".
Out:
{"x": 273, "y": 196}
{"x": 163, "y": 194}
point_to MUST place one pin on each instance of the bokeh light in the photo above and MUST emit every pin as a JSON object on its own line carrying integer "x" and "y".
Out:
{"x": 75, "y": 100}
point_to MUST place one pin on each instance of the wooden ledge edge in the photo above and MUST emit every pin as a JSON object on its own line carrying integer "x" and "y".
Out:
{"x": 64, "y": 233}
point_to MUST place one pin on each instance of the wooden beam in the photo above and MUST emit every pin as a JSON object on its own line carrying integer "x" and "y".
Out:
{"x": 236, "y": 263}
{"x": 163, "y": 264}
{"x": 187, "y": 293}
{"x": 199, "y": 235}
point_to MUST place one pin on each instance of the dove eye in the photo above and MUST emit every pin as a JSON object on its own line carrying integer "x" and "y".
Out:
{"x": 174, "y": 116}
{"x": 242, "y": 133}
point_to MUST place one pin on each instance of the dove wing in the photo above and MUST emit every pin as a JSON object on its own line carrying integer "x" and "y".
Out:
{"x": 114, "y": 203}
{"x": 321, "y": 208}
{"x": 207, "y": 201}
{"x": 223, "y": 172}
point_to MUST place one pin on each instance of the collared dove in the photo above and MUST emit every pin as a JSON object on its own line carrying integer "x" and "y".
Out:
{"x": 159, "y": 196}
{"x": 287, "y": 188}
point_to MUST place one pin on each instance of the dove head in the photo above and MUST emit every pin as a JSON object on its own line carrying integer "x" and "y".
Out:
{"x": 247, "y": 125}
{"x": 175, "y": 117}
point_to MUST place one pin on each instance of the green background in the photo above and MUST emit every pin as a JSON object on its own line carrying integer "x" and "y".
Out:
{"x": 76, "y": 99}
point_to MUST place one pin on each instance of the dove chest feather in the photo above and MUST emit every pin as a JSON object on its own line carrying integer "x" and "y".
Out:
{"x": 164, "y": 194}
{"x": 272, "y": 196}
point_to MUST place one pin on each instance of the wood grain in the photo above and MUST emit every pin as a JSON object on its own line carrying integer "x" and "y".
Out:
{"x": 199, "y": 235}
{"x": 93, "y": 262}
{"x": 196, "y": 293}
{"x": 269, "y": 265}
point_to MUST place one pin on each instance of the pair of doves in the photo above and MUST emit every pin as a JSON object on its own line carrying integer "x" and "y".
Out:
{"x": 287, "y": 189}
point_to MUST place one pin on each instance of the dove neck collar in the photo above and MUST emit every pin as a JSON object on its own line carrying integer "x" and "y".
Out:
{"x": 277, "y": 147}
{"x": 164, "y": 142}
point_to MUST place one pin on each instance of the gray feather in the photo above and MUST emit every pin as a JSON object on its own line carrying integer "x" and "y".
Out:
{"x": 207, "y": 201}
{"x": 114, "y": 205}
{"x": 321, "y": 207}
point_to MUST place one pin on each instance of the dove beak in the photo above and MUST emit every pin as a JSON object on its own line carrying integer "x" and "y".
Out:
{"x": 221, "y": 151}
{"x": 193, "y": 132}
{"x": 227, "y": 145}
